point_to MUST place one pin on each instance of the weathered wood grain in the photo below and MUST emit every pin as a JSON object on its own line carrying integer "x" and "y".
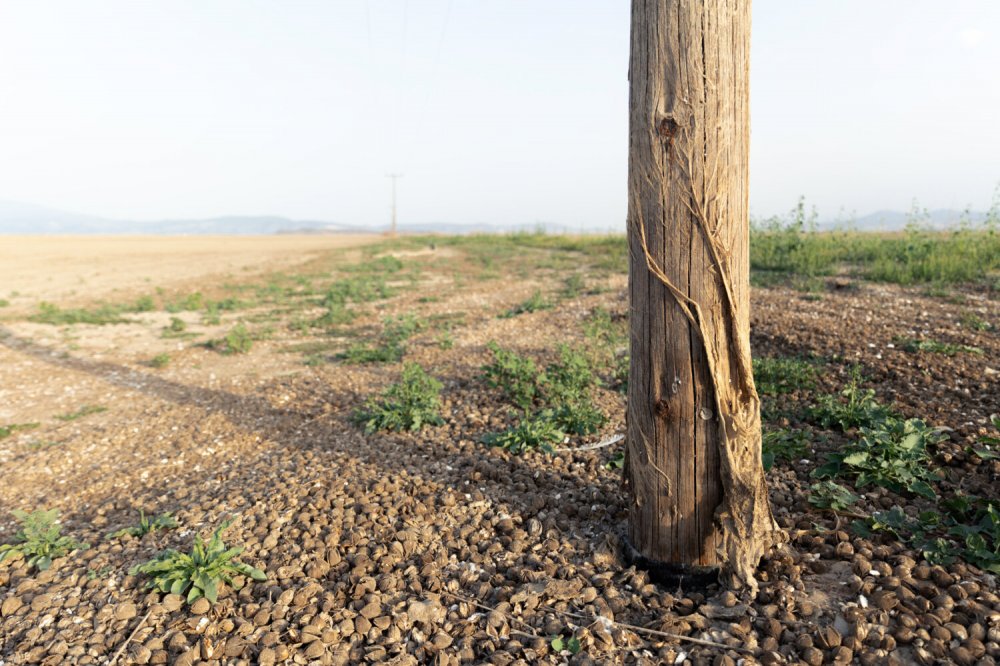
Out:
{"x": 693, "y": 445}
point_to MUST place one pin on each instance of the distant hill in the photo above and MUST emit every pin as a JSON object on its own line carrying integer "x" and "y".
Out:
{"x": 894, "y": 220}
{"x": 21, "y": 218}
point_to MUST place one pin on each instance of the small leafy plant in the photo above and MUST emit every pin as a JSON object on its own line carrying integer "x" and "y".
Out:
{"x": 831, "y": 495}
{"x": 858, "y": 408}
{"x": 160, "y": 361}
{"x": 783, "y": 445}
{"x": 936, "y": 347}
{"x": 540, "y": 432}
{"x": 535, "y": 303}
{"x": 238, "y": 340}
{"x": 410, "y": 404}
{"x": 560, "y": 644}
{"x": 199, "y": 573}
{"x": 39, "y": 540}
{"x": 780, "y": 375}
{"x": 893, "y": 455}
{"x": 146, "y": 525}
{"x": 392, "y": 344}
{"x": 517, "y": 376}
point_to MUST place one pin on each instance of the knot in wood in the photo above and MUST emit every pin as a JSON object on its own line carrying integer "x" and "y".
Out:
{"x": 667, "y": 127}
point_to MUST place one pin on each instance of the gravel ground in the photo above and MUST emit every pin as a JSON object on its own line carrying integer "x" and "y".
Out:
{"x": 429, "y": 547}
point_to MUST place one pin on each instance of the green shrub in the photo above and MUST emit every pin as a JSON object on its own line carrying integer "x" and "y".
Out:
{"x": 410, "y": 404}
{"x": 146, "y": 525}
{"x": 177, "y": 325}
{"x": 199, "y": 573}
{"x": 39, "y": 540}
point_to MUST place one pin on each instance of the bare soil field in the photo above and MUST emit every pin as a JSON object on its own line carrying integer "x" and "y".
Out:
{"x": 249, "y": 393}
{"x": 81, "y": 268}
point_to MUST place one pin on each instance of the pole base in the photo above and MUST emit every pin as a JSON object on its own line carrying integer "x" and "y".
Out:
{"x": 670, "y": 574}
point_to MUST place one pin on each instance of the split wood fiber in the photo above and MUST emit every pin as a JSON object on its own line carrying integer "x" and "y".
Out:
{"x": 693, "y": 461}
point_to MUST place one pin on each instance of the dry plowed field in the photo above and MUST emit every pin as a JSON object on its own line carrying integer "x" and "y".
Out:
{"x": 223, "y": 385}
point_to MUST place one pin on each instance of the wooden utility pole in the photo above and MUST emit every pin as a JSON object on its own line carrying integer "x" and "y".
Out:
{"x": 393, "y": 176}
{"x": 693, "y": 461}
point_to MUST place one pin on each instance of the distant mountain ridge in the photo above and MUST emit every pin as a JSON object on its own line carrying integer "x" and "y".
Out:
{"x": 27, "y": 219}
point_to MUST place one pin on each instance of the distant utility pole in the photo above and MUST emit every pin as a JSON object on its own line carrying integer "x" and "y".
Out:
{"x": 394, "y": 176}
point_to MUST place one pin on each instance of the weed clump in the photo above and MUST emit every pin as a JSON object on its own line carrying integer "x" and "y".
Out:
{"x": 39, "y": 540}
{"x": 559, "y": 395}
{"x": 160, "y": 361}
{"x": 146, "y": 525}
{"x": 539, "y": 432}
{"x": 893, "y": 454}
{"x": 778, "y": 375}
{"x": 517, "y": 376}
{"x": 410, "y": 404}
{"x": 783, "y": 445}
{"x": 201, "y": 572}
{"x": 49, "y": 313}
{"x": 535, "y": 303}
{"x": 392, "y": 345}
{"x": 11, "y": 428}
{"x": 859, "y": 408}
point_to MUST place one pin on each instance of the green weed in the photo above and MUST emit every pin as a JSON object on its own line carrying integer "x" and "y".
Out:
{"x": 86, "y": 410}
{"x": 855, "y": 407}
{"x": 189, "y": 303}
{"x": 99, "y": 316}
{"x": 783, "y": 445}
{"x": 39, "y": 539}
{"x": 410, "y": 404}
{"x": 11, "y": 428}
{"x": 160, "y": 361}
{"x": 535, "y": 303}
{"x": 973, "y": 322}
{"x": 239, "y": 340}
{"x": 146, "y": 525}
{"x": 831, "y": 495}
{"x": 392, "y": 343}
{"x": 517, "y": 376}
{"x": 201, "y": 572}
{"x": 540, "y": 432}
{"x": 893, "y": 455}
{"x": 935, "y": 347}
{"x": 780, "y": 375}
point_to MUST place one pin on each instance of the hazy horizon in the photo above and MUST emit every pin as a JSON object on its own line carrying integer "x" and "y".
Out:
{"x": 496, "y": 112}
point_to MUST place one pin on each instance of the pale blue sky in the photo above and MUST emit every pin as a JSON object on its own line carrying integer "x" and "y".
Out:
{"x": 496, "y": 111}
